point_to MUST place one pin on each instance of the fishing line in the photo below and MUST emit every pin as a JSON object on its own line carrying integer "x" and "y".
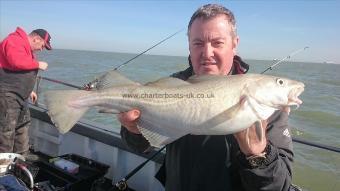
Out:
{"x": 285, "y": 58}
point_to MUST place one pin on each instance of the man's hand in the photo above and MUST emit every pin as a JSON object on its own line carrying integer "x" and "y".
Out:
{"x": 286, "y": 109}
{"x": 43, "y": 65}
{"x": 129, "y": 120}
{"x": 254, "y": 146}
{"x": 33, "y": 97}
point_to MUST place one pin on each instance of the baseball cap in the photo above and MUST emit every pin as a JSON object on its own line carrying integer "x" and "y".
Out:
{"x": 44, "y": 35}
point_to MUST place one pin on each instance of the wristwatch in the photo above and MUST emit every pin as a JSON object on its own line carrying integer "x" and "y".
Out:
{"x": 255, "y": 161}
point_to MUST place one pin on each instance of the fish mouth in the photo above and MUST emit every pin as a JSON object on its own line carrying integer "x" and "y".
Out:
{"x": 293, "y": 97}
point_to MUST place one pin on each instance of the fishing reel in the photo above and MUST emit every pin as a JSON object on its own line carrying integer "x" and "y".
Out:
{"x": 121, "y": 185}
{"x": 91, "y": 85}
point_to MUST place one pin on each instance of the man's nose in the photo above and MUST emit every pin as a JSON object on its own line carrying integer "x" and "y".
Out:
{"x": 208, "y": 50}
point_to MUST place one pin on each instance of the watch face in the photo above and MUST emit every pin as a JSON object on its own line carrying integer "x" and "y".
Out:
{"x": 256, "y": 161}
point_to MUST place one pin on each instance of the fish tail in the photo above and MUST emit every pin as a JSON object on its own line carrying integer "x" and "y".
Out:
{"x": 62, "y": 113}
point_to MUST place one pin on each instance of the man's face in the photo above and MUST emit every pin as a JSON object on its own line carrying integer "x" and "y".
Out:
{"x": 211, "y": 46}
{"x": 38, "y": 44}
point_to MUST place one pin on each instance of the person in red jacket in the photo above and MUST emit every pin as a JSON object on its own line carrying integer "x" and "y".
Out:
{"x": 18, "y": 71}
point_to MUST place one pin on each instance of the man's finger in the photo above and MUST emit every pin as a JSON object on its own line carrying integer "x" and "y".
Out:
{"x": 129, "y": 116}
{"x": 286, "y": 109}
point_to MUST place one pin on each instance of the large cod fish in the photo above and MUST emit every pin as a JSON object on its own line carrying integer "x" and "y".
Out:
{"x": 171, "y": 108}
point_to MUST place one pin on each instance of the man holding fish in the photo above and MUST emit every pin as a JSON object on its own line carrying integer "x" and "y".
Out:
{"x": 257, "y": 158}
{"x": 236, "y": 139}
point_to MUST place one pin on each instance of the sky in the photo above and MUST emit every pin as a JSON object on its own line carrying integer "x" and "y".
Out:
{"x": 267, "y": 29}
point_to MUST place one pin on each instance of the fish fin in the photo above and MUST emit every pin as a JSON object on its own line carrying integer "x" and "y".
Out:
{"x": 225, "y": 115}
{"x": 259, "y": 131}
{"x": 109, "y": 111}
{"x": 61, "y": 113}
{"x": 113, "y": 78}
{"x": 247, "y": 137}
{"x": 157, "y": 136}
{"x": 168, "y": 82}
{"x": 155, "y": 139}
{"x": 202, "y": 78}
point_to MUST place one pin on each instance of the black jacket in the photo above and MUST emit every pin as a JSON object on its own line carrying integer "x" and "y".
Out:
{"x": 199, "y": 162}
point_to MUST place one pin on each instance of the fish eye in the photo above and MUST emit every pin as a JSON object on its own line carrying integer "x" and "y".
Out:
{"x": 280, "y": 82}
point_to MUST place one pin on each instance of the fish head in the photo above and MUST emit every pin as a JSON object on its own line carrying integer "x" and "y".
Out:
{"x": 275, "y": 92}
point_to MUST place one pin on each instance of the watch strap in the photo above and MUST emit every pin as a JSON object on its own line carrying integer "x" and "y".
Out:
{"x": 270, "y": 155}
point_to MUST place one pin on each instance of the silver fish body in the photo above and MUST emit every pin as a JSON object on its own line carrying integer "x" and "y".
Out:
{"x": 171, "y": 108}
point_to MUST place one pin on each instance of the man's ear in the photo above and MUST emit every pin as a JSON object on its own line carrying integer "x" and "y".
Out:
{"x": 35, "y": 39}
{"x": 235, "y": 44}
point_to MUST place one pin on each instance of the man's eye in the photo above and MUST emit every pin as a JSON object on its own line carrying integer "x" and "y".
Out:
{"x": 197, "y": 44}
{"x": 218, "y": 43}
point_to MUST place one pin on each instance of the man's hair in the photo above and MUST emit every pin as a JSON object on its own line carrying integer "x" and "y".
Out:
{"x": 33, "y": 34}
{"x": 210, "y": 11}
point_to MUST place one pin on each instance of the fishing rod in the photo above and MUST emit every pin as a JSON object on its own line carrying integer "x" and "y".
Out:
{"x": 59, "y": 82}
{"x": 285, "y": 58}
{"x": 122, "y": 185}
{"x": 318, "y": 145}
{"x": 299, "y": 140}
{"x": 116, "y": 68}
{"x": 93, "y": 84}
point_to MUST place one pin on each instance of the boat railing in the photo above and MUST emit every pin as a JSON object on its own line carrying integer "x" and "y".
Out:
{"x": 92, "y": 130}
